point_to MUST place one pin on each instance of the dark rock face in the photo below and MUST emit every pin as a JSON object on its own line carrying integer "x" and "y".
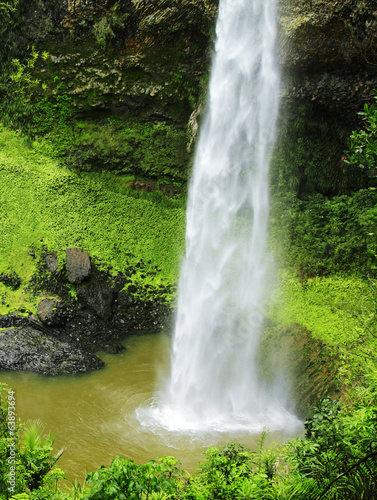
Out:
{"x": 133, "y": 61}
{"x": 329, "y": 52}
{"x": 97, "y": 295}
{"x": 28, "y": 349}
{"x": 13, "y": 320}
{"x": 52, "y": 312}
{"x": 78, "y": 265}
{"x": 328, "y": 34}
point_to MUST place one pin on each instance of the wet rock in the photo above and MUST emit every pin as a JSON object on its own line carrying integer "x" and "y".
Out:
{"x": 78, "y": 265}
{"x": 114, "y": 348}
{"x": 125, "y": 301}
{"x": 97, "y": 295}
{"x": 118, "y": 282}
{"x": 13, "y": 319}
{"x": 52, "y": 312}
{"x": 28, "y": 349}
{"x": 11, "y": 280}
{"x": 51, "y": 260}
{"x": 330, "y": 35}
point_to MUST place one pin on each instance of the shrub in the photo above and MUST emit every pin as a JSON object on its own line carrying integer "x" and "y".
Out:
{"x": 124, "y": 480}
{"x": 362, "y": 145}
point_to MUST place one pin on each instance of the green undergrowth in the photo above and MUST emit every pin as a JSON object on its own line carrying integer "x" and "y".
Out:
{"x": 339, "y": 311}
{"x": 326, "y": 235}
{"x": 318, "y": 304}
{"x": 45, "y": 205}
{"x": 152, "y": 150}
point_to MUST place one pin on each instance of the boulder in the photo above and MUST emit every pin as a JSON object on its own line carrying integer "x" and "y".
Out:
{"x": 114, "y": 348}
{"x": 78, "y": 265}
{"x": 52, "y": 312}
{"x": 11, "y": 280}
{"x": 97, "y": 295}
{"x": 51, "y": 260}
{"x": 13, "y": 319}
{"x": 28, "y": 349}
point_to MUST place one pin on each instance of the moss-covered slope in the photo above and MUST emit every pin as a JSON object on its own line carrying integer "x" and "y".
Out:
{"x": 45, "y": 205}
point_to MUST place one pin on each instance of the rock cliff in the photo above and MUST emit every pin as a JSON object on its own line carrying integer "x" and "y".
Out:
{"x": 329, "y": 51}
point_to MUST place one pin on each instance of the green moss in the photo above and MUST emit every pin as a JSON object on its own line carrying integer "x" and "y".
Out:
{"x": 318, "y": 304}
{"x": 44, "y": 204}
{"x": 338, "y": 311}
{"x": 153, "y": 150}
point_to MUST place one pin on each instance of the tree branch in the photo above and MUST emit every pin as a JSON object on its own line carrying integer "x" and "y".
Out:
{"x": 364, "y": 459}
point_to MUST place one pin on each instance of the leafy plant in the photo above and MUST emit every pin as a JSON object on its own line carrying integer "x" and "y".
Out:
{"x": 36, "y": 454}
{"x": 124, "y": 480}
{"x": 329, "y": 235}
{"x": 16, "y": 106}
{"x": 54, "y": 113}
{"x": 339, "y": 451}
{"x": 362, "y": 145}
{"x": 151, "y": 150}
{"x": 231, "y": 472}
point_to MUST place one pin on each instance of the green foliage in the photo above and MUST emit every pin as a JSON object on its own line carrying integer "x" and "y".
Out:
{"x": 233, "y": 472}
{"x": 23, "y": 23}
{"x": 103, "y": 32}
{"x": 26, "y": 456}
{"x": 112, "y": 24}
{"x": 54, "y": 113}
{"x": 148, "y": 149}
{"x": 340, "y": 313}
{"x": 16, "y": 106}
{"x": 36, "y": 450}
{"x": 152, "y": 150}
{"x": 362, "y": 145}
{"x": 323, "y": 214}
{"x": 318, "y": 304}
{"x": 339, "y": 450}
{"x": 328, "y": 235}
{"x": 308, "y": 156}
{"x": 124, "y": 480}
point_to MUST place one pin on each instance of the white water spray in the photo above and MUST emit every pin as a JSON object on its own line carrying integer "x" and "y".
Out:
{"x": 214, "y": 381}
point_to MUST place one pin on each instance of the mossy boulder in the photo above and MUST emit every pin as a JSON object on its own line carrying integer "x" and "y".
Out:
{"x": 97, "y": 295}
{"x": 78, "y": 265}
{"x": 52, "y": 312}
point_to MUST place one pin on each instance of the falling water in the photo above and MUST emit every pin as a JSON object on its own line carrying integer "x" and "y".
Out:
{"x": 214, "y": 380}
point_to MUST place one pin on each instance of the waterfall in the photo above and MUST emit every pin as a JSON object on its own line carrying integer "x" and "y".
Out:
{"x": 225, "y": 275}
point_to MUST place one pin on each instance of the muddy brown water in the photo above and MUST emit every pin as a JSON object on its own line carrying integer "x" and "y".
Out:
{"x": 94, "y": 414}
